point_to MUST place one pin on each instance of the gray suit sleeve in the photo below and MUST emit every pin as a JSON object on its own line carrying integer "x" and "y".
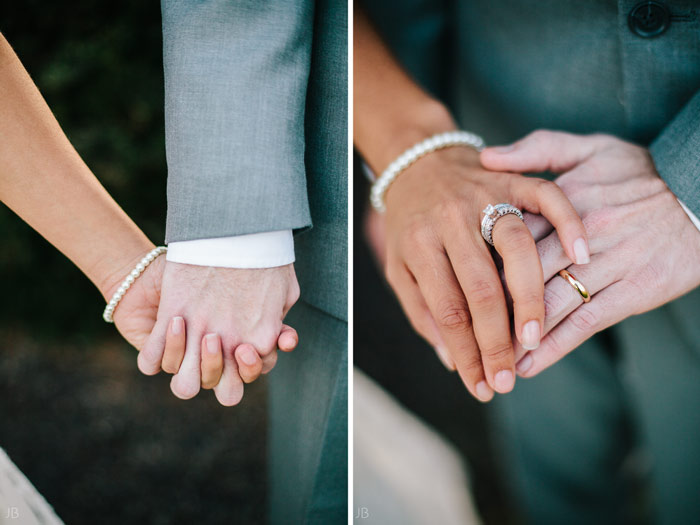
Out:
{"x": 676, "y": 153}
{"x": 235, "y": 86}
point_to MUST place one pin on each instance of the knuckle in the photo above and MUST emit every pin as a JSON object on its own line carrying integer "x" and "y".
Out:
{"x": 483, "y": 292}
{"x": 293, "y": 294}
{"x": 552, "y": 344}
{"x": 454, "y": 317}
{"x": 585, "y": 320}
{"x": 656, "y": 185}
{"x": 650, "y": 279}
{"x": 451, "y": 210}
{"x": 553, "y": 302}
{"x": 473, "y": 366}
{"x": 499, "y": 351}
{"x": 415, "y": 233}
{"x": 572, "y": 188}
{"x": 517, "y": 239}
{"x": 531, "y": 298}
{"x": 267, "y": 344}
{"x": 605, "y": 141}
{"x": 541, "y": 136}
{"x": 597, "y": 221}
{"x": 546, "y": 189}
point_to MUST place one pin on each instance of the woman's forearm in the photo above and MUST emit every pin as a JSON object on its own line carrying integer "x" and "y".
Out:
{"x": 391, "y": 112}
{"x": 44, "y": 181}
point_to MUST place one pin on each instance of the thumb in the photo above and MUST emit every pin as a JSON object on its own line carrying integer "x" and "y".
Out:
{"x": 541, "y": 150}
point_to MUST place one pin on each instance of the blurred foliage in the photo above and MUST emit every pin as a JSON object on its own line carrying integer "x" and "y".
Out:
{"x": 99, "y": 67}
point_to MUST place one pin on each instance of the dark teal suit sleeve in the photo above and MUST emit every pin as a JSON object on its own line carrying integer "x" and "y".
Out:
{"x": 676, "y": 153}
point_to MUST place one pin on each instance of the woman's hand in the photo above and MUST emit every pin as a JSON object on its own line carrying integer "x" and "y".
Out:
{"x": 443, "y": 271}
{"x": 437, "y": 263}
{"x": 136, "y": 313}
{"x": 645, "y": 250}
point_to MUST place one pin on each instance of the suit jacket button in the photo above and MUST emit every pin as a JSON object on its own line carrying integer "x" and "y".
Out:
{"x": 649, "y": 19}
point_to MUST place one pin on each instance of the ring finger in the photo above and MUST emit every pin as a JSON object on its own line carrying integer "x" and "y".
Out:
{"x": 523, "y": 272}
{"x": 561, "y": 298}
{"x": 480, "y": 284}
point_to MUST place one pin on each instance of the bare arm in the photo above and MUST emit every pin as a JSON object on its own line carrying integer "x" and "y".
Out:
{"x": 391, "y": 111}
{"x": 44, "y": 181}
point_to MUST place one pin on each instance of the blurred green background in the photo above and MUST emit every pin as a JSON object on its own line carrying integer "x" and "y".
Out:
{"x": 103, "y": 443}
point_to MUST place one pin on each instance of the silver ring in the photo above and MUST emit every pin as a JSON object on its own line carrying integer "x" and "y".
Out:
{"x": 492, "y": 214}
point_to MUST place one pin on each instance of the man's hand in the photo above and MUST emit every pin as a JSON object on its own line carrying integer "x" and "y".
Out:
{"x": 645, "y": 250}
{"x": 224, "y": 308}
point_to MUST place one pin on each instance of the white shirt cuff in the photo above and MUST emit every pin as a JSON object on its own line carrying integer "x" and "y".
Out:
{"x": 256, "y": 250}
{"x": 694, "y": 219}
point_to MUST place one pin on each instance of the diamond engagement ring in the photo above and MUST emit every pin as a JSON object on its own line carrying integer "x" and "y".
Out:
{"x": 492, "y": 214}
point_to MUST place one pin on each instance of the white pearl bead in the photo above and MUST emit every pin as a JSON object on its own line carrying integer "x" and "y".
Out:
{"x": 133, "y": 275}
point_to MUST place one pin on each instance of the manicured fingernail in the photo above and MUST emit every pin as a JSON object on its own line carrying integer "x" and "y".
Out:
{"x": 504, "y": 381}
{"x": 248, "y": 356}
{"x": 524, "y": 364}
{"x": 581, "y": 251}
{"x": 445, "y": 358}
{"x": 483, "y": 391}
{"x": 177, "y": 325}
{"x": 503, "y": 149}
{"x": 531, "y": 335}
{"x": 212, "y": 343}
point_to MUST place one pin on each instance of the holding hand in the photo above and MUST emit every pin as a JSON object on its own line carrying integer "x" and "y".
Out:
{"x": 209, "y": 317}
{"x": 136, "y": 318}
{"x": 444, "y": 274}
{"x": 645, "y": 250}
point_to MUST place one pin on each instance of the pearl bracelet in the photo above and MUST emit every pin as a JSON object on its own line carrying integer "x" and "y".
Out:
{"x": 135, "y": 273}
{"x": 411, "y": 155}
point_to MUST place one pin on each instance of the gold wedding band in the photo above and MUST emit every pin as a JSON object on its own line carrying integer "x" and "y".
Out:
{"x": 578, "y": 285}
